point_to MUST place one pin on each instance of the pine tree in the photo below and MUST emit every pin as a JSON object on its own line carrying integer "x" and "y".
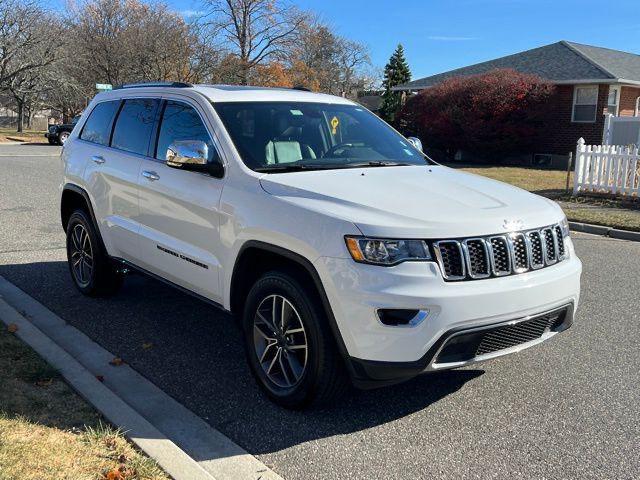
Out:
{"x": 396, "y": 72}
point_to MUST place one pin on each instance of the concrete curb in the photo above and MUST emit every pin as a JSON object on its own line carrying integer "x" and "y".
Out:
{"x": 214, "y": 453}
{"x": 605, "y": 231}
{"x": 173, "y": 460}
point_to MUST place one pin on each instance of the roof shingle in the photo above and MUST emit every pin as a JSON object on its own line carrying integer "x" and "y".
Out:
{"x": 557, "y": 62}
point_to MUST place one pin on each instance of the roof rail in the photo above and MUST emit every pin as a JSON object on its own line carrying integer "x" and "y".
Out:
{"x": 301, "y": 88}
{"x": 154, "y": 84}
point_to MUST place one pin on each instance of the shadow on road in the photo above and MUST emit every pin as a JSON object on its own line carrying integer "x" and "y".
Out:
{"x": 196, "y": 356}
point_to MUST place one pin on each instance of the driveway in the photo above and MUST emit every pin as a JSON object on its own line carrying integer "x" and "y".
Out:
{"x": 566, "y": 409}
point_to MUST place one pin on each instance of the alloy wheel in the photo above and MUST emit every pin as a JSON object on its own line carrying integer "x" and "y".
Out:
{"x": 81, "y": 255}
{"x": 280, "y": 341}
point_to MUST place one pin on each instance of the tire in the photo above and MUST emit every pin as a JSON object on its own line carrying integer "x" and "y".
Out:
{"x": 91, "y": 269}
{"x": 323, "y": 376}
{"x": 52, "y": 141}
{"x": 62, "y": 138}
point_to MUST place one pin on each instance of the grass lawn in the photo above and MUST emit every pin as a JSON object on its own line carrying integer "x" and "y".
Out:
{"x": 623, "y": 214}
{"x": 48, "y": 432}
{"x": 10, "y": 135}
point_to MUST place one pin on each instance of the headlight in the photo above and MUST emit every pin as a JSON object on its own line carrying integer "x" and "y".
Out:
{"x": 387, "y": 252}
{"x": 564, "y": 226}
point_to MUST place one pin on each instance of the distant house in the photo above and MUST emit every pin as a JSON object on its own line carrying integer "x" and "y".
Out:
{"x": 591, "y": 83}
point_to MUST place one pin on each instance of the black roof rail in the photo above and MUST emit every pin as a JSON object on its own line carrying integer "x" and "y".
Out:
{"x": 301, "y": 88}
{"x": 154, "y": 84}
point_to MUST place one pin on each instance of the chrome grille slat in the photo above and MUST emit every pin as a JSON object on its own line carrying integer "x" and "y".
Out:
{"x": 478, "y": 258}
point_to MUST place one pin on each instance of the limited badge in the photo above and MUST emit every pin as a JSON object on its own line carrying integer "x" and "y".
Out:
{"x": 334, "y": 125}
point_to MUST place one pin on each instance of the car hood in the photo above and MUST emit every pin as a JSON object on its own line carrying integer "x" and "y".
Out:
{"x": 415, "y": 201}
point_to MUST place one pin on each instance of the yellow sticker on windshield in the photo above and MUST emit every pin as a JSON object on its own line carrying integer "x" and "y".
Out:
{"x": 334, "y": 125}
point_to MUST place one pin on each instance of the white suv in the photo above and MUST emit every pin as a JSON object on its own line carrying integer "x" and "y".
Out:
{"x": 346, "y": 254}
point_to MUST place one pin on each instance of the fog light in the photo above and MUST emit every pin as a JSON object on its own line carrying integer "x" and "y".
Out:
{"x": 394, "y": 317}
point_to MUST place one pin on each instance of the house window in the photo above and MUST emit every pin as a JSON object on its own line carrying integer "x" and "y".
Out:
{"x": 585, "y": 104}
{"x": 613, "y": 100}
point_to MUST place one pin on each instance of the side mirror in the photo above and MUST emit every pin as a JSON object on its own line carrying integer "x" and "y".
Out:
{"x": 192, "y": 155}
{"x": 415, "y": 142}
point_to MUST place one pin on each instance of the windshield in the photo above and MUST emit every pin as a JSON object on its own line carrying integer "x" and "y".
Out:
{"x": 286, "y": 136}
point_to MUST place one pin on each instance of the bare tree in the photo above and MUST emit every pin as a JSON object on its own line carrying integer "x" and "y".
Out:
{"x": 256, "y": 31}
{"x": 323, "y": 60}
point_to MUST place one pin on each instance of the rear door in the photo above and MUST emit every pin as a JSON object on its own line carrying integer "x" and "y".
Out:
{"x": 179, "y": 210}
{"x": 113, "y": 170}
{"x": 110, "y": 179}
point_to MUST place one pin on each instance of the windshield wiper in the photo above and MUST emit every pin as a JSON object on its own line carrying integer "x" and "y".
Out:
{"x": 292, "y": 167}
{"x": 378, "y": 163}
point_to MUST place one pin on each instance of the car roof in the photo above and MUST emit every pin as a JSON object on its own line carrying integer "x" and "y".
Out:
{"x": 229, "y": 93}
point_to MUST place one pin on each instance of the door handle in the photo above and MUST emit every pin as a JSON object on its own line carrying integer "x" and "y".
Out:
{"x": 97, "y": 159}
{"x": 151, "y": 176}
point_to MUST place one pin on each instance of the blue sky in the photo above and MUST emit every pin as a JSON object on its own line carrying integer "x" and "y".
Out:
{"x": 439, "y": 35}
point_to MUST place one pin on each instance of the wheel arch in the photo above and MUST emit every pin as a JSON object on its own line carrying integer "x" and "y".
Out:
{"x": 73, "y": 198}
{"x": 256, "y": 257}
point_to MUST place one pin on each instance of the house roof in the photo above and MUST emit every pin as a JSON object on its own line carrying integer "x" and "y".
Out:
{"x": 560, "y": 62}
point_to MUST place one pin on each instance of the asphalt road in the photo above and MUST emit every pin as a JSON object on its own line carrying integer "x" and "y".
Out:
{"x": 569, "y": 408}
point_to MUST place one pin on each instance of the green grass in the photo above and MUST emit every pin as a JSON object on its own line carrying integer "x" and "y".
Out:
{"x": 47, "y": 431}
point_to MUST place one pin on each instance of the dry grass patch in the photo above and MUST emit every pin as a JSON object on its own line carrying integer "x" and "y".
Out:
{"x": 532, "y": 179}
{"x": 47, "y": 431}
{"x": 32, "y": 136}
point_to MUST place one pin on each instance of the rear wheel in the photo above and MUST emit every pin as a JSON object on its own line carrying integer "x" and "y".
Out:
{"x": 290, "y": 348}
{"x": 92, "y": 271}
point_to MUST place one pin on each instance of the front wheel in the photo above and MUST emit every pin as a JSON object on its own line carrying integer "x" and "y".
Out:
{"x": 91, "y": 269}
{"x": 63, "y": 137}
{"x": 290, "y": 348}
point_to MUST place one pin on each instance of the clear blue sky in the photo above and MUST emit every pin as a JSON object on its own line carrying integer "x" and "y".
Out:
{"x": 439, "y": 35}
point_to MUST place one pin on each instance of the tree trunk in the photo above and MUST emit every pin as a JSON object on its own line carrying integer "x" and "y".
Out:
{"x": 20, "y": 115}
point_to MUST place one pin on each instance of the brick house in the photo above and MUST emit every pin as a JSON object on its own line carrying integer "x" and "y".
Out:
{"x": 591, "y": 82}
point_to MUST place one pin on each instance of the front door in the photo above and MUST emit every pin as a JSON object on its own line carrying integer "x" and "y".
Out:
{"x": 179, "y": 210}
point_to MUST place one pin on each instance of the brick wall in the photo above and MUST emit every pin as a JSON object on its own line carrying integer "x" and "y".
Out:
{"x": 561, "y": 134}
{"x": 628, "y": 96}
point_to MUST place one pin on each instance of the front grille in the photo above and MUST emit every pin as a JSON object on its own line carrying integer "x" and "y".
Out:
{"x": 52, "y": 128}
{"x": 474, "y": 343}
{"x": 499, "y": 255}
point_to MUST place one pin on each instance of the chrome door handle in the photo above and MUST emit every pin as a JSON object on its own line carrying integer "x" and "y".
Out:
{"x": 97, "y": 159}
{"x": 151, "y": 176}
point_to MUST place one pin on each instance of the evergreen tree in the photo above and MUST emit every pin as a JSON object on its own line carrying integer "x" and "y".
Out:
{"x": 396, "y": 72}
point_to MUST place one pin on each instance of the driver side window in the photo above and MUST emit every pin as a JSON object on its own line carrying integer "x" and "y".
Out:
{"x": 181, "y": 122}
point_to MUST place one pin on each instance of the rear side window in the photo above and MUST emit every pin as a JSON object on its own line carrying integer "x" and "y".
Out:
{"x": 98, "y": 126}
{"x": 181, "y": 122}
{"x": 134, "y": 125}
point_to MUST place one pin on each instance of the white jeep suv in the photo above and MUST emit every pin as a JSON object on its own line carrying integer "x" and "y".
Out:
{"x": 346, "y": 254}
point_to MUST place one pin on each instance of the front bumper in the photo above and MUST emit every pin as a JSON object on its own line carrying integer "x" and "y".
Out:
{"x": 356, "y": 291}
{"x": 465, "y": 346}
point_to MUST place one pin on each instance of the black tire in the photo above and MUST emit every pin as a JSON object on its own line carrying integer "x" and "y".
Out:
{"x": 52, "y": 141}
{"x": 62, "y": 138}
{"x": 324, "y": 377}
{"x": 102, "y": 278}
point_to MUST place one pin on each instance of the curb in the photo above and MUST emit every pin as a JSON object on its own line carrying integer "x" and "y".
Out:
{"x": 605, "y": 231}
{"x": 172, "y": 434}
{"x": 173, "y": 460}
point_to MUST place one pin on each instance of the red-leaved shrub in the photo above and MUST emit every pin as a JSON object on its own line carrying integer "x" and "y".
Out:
{"x": 499, "y": 112}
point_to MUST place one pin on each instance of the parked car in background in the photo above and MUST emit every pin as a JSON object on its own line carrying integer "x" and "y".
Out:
{"x": 58, "y": 134}
{"x": 345, "y": 252}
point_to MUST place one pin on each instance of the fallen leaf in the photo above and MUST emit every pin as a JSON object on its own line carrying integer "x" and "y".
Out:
{"x": 44, "y": 382}
{"x": 100, "y": 378}
{"x": 122, "y": 458}
{"x": 12, "y": 328}
{"x": 114, "y": 474}
{"x": 147, "y": 346}
{"x": 116, "y": 362}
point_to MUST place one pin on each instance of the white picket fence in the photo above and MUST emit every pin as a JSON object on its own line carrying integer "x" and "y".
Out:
{"x": 611, "y": 169}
